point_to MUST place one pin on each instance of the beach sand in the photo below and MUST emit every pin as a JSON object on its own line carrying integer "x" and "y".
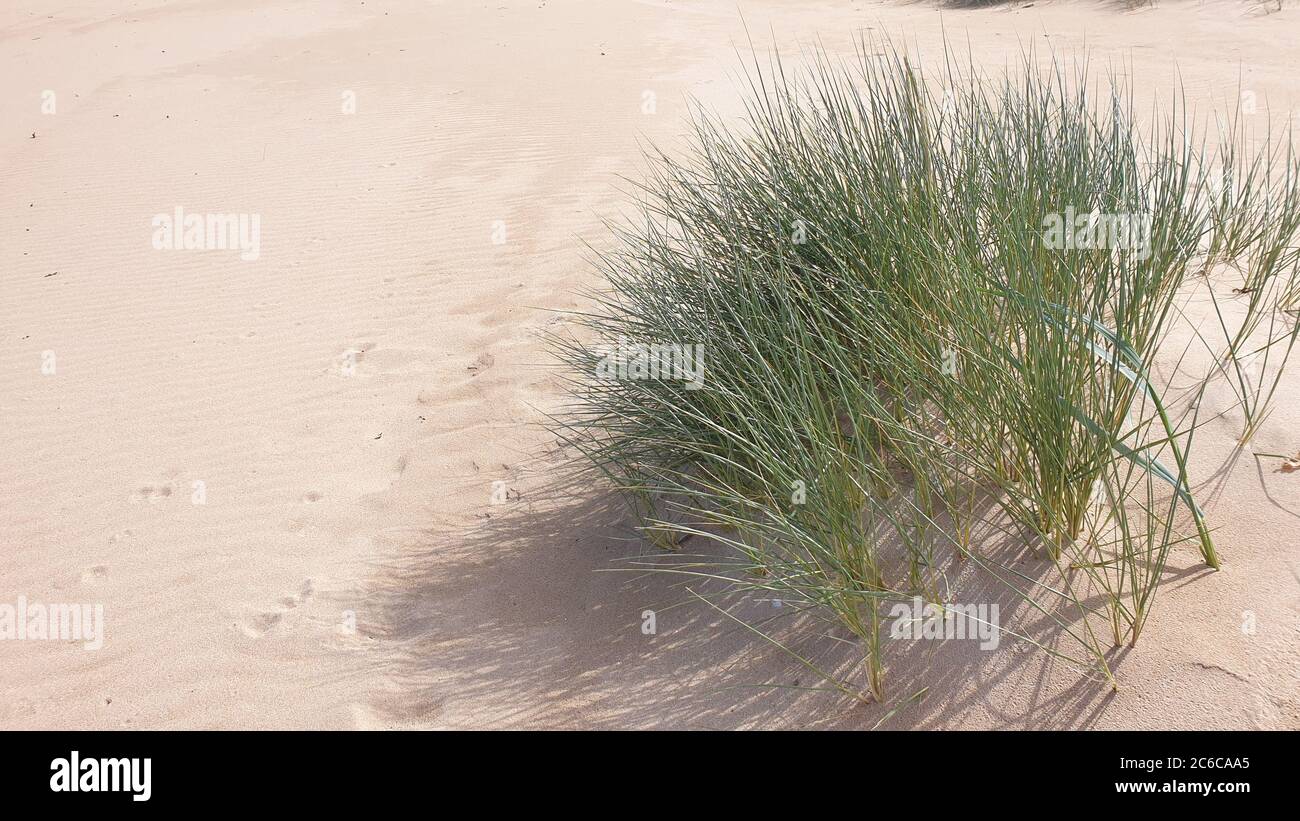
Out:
{"x": 277, "y": 475}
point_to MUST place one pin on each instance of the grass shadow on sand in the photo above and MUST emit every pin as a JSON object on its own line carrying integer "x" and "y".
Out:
{"x": 534, "y": 618}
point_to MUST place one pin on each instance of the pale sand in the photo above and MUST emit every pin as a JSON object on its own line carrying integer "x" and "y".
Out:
{"x": 328, "y": 493}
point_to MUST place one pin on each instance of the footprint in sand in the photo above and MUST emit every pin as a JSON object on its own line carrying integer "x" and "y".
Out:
{"x": 388, "y": 710}
{"x": 484, "y": 361}
{"x": 151, "y": 494}
{"x": 303, "y": 594}
{"x": 94, "y": 575}
{"x": 393, "y": 361}
{"x": 259, "y": 624}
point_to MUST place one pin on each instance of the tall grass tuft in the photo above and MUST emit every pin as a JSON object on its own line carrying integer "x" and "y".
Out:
{"x": 928, "y": 306}
{"x": 1255, "y": 217}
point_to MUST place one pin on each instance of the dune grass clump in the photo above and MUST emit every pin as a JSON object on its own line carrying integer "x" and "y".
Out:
{"x": 928, "y": 308}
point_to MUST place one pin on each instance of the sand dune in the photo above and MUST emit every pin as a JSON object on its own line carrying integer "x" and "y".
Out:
{"x": 277, "y": 474}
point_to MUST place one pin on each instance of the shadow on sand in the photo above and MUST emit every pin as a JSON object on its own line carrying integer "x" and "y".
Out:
{"x": 538, "y": 616}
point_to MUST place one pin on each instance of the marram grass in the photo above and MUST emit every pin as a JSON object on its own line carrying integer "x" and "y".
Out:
{"x": 907, "y": 339}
